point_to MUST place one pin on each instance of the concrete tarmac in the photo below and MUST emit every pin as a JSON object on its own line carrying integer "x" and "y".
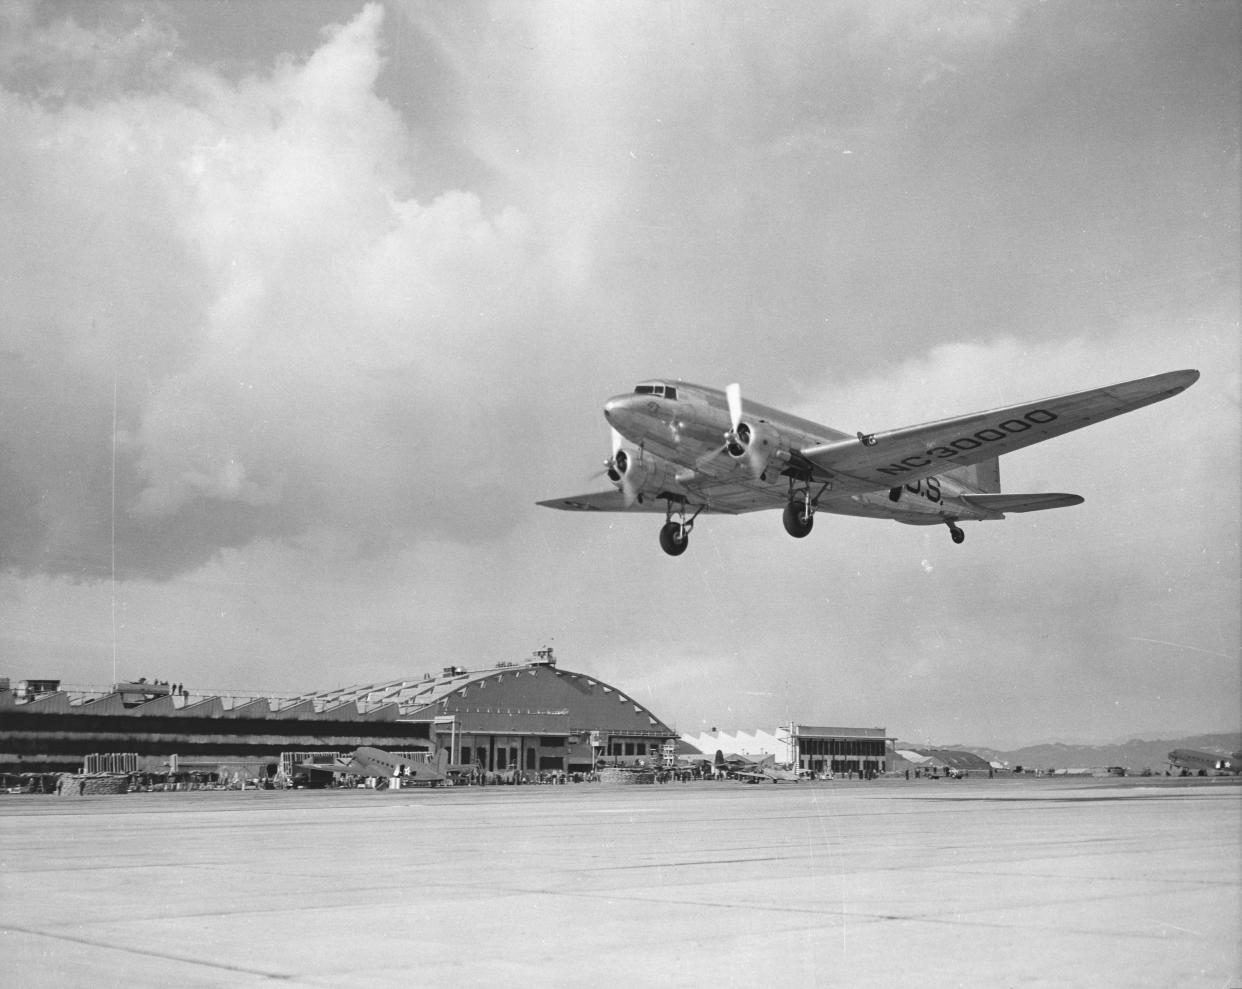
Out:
{"x": 889, "y": 883}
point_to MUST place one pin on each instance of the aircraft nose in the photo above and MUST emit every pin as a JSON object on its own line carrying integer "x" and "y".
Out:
{"x": 619, "y": 408}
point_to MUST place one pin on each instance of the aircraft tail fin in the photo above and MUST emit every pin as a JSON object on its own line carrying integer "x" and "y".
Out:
{"x": 442, "y": 762}
{"x": 982, "y": 477}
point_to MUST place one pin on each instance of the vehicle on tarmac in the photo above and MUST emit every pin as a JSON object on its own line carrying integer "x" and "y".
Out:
{"x": 668, "y": 456}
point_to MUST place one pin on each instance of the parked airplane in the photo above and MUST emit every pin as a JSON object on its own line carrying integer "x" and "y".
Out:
{"x": 668, "y": 456}
{"x": 1205, "y": 762}
{"x": 369, "y": 761}
{"x": 753, "y": 770}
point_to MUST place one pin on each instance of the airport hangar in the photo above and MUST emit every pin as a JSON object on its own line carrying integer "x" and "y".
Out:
{"x": 528, "y": 716}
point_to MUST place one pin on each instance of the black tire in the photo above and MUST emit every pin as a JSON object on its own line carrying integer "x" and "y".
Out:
{"x": 797, "y": 523}
{"x": 958, "y": 535}
{"x": 672, "y": 539}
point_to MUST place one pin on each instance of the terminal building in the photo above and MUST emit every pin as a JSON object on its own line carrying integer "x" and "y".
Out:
{"x": 528, "y": 716}
{"x": 817, "y": 749}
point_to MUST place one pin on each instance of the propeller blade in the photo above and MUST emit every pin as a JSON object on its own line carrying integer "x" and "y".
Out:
{"x": 628, "y": 493}
{"x": 710, "y": 455}
{"x": 617, "y": 439}
{"x": 733, "y": 393}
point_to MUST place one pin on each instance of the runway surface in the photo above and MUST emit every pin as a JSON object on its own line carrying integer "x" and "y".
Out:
{"x": 921, "y": 883}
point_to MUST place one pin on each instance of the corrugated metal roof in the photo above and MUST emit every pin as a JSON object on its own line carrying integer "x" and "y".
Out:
{"x": 534, "y": 697}
{"x": 957, "y": 758}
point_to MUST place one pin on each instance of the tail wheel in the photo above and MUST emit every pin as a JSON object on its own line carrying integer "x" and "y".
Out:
{"x": 798, "y": 520}
{"x": 674, "y": 539}
{"x": 957, "y": 534}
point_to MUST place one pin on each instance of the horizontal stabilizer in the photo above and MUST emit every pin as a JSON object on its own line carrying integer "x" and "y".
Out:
{"x": 1022, "y": 502}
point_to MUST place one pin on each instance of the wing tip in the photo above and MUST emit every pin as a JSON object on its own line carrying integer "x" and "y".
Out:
{"x": 1179, "y": 381}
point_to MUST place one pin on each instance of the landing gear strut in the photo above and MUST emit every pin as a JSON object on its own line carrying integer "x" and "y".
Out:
{"x": 958, "y": 535}
{"x": 675, "y": 535}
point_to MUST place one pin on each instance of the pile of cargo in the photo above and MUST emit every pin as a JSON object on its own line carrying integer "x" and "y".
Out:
{"x": 90, "y": 784}
{"x": 618, "y": 775}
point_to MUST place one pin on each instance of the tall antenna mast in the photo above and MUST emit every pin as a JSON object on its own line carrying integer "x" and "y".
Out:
{"x": 114, "y": 680}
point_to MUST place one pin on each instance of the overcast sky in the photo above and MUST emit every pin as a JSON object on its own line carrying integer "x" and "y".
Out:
{"x": 303, "y": 306}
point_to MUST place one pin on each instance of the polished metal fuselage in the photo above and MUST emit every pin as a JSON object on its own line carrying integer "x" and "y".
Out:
{"x": 685, "y": 437}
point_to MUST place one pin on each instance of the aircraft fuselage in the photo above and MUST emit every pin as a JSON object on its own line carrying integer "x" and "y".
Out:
{"x": 681, "y": 434}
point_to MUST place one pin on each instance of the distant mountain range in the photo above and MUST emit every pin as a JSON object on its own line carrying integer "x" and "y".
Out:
{"x": 1135, "y": 755}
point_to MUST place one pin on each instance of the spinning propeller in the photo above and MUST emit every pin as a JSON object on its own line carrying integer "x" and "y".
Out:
{"x": 743, "y": 441}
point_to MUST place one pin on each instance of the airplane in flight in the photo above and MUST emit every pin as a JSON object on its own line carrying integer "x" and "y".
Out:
{"x": 685, "y": 449}
{"x": 1205, "y": 763}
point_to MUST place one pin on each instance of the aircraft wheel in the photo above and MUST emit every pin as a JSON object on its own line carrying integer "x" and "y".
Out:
{"x": 673, "y": 540}
{"x": 958, "y": 535}
{"x": 797, "y": 521}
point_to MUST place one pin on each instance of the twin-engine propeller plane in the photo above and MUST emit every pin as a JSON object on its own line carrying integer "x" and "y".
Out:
{"x": 684, "y": 449}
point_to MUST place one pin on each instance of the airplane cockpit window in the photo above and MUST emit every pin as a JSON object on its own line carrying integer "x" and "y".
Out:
{"x": 660, "y": 391}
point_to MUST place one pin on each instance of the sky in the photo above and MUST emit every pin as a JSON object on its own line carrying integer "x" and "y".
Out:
{"x": 303, "y": 306}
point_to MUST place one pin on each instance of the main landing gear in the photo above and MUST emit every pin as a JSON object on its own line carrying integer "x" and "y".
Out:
{"x": 958, "y": 535}
{"x": 799, "y": 515}
{"x": 674, "y": 538}
{"x": 675, "y": 535}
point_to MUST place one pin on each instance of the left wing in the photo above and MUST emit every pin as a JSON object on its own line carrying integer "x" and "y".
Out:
{"x": 602, "y": 501}
{"x": 326, "y": 767}
{"x": 718, "y": 497}
{"x": 888, "y": 459}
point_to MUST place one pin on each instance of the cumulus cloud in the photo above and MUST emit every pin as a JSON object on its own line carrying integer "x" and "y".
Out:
{"x": 285, "y": 326}
{"x": 359, "y": 306}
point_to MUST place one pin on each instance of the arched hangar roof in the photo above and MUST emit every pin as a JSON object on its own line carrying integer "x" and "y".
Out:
{"x": 534, "y": 696}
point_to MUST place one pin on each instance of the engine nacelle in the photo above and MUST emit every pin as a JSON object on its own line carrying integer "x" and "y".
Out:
{"x": 757, "y": 444}
{"x": 638, "y": 474}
